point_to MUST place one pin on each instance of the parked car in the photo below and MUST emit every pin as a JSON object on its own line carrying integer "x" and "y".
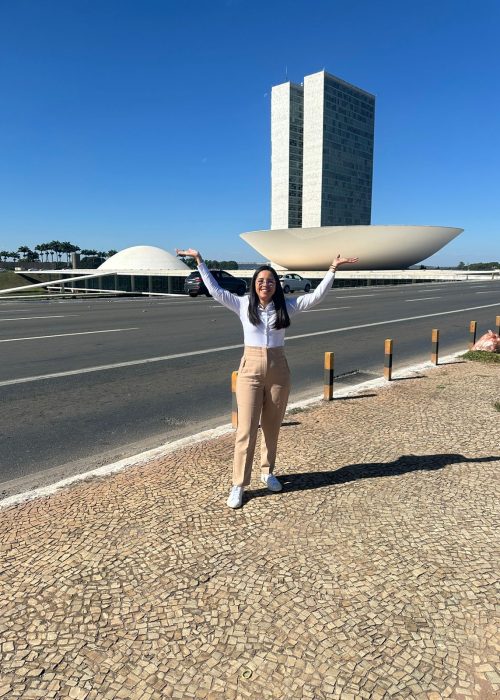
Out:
{"x": 292, "y": 282}
{"x": 194, "y": 285}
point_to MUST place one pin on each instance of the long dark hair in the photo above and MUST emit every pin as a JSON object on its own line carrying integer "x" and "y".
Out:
{"x": 282, "y": 317}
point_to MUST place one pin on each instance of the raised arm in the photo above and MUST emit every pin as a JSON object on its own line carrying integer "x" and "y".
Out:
{"x": 306, "y": 301}
{"x": 223, "y": 296}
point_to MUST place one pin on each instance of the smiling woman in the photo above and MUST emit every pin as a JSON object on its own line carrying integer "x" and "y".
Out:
{"x": 263, "y": 384}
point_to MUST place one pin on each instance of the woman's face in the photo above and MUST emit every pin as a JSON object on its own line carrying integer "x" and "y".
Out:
{"x": 265, "y": 286}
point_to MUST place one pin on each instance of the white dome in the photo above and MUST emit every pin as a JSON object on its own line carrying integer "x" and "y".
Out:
{"x": 143, "y": 258}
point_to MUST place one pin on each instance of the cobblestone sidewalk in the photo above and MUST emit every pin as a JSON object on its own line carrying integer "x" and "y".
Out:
{"x": 374, "y": 574}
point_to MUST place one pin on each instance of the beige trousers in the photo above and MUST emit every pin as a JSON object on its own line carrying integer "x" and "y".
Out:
{"x": 262, "y": 392}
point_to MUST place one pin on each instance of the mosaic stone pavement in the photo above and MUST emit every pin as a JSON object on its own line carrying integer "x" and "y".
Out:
{"x": 374, "y": 574}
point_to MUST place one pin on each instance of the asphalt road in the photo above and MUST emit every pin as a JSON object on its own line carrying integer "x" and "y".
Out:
{"x": 86, "y": 382}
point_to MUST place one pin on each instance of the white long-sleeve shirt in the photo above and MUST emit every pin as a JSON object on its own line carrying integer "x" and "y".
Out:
{"x": 263, "y": 335}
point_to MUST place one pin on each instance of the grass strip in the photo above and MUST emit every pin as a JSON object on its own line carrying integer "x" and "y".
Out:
{"x": 482, "y": 356}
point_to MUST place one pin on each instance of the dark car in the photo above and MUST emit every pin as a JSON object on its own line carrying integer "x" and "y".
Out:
{"x": 194, "y": 285}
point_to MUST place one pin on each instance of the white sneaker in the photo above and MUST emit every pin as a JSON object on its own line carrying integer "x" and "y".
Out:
{"x": 235, "y": 497}
{"x": 271, "y": 482}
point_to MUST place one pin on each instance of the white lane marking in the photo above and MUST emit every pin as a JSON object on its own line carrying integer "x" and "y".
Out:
{"x": 163, "y": 358}
{"x": 351, "y": 296}
{"x": 118, "y": 365}
{"x": 147, "y": 301}
{"x": 65, "y": 335}
{"x": 31, "y": 318}
{"x": 488, "y": 292}
{"x": 170, "y": 447}
{"x": 331, "y": 308}
{"x": 394, "y": 320}
{"x": 422, "y": 299}
{"x": 123, "y": 300}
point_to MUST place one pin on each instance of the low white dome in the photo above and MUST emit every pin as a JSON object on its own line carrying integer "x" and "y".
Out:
{"x": 143, "y": 257}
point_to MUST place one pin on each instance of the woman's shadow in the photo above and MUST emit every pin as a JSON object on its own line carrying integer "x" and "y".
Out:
{"x": 304, "y": 481}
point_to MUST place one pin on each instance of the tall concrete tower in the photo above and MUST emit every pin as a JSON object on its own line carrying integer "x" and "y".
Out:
{"x": 322, "y": 153}
{"x": 287, "y": 125}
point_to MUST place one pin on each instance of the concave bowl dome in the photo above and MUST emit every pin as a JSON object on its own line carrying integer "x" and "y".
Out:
{"x": 377, "y": 247}
{"x": 143, "y": 257}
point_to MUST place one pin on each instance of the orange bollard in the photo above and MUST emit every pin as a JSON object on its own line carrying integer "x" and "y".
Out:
{"x": 388, "y": 360}
{"x": 328, "y": 376}
{"x": 498, "y": 325}
{"x": 435, "y": 346}
{"x": 472, "y": 331}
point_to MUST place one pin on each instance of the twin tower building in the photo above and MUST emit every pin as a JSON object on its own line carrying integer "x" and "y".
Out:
{"x": 321, "y": 184}
{"x": 321, "y": 153}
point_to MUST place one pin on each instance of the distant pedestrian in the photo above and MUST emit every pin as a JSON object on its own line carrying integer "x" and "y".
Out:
{"x": 263, "y": 382}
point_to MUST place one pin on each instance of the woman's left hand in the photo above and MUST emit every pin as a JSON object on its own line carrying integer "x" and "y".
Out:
{"x": 190, "y": 253}
{"x": 343, "y": 261}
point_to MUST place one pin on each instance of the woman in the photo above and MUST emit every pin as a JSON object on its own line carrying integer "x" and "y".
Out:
{"x": 263, "y": 382}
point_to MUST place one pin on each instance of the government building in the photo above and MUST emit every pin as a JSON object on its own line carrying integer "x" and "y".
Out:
{"x": 322, "y": 135}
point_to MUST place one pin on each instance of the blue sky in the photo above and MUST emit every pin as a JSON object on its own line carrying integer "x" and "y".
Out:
{"x": 127, "y": 122}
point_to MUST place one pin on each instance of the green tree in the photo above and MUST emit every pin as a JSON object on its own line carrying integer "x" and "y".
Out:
{"x": 67, "y": 248}
{"x": 58, "y": 250}
{"x": 90, "y": 254}
{"x": 24, "y": 250}
{"x": 483, "y": 265}
{"x": 32, "y": 256}
{"x": 53, "y": 248}
{"x": 46, "y": 250}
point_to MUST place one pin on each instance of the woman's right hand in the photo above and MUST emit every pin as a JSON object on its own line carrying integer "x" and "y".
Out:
{"x": 190, "y": 253}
